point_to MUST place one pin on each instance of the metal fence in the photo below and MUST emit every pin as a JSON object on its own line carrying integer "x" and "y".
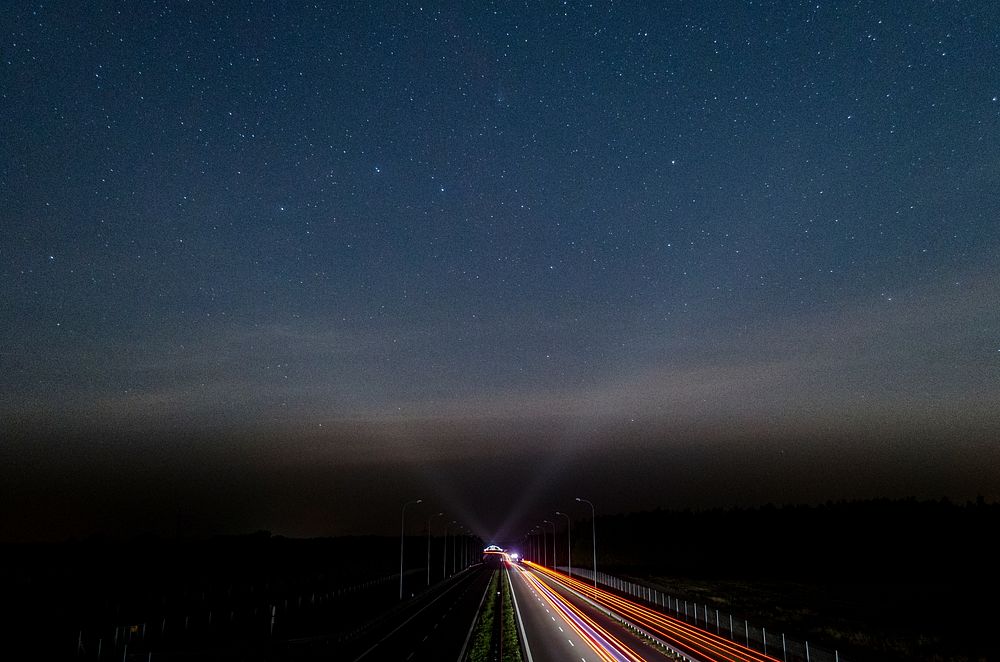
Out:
{"x": 740, "y": 630}
{"x": 256, "y": 615}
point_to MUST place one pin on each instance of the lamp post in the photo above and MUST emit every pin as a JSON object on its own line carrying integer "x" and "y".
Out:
{"x": 593, "y": 524}
{"x": 545, "y": 521}
{"x": 429, "y": 545}
{"x": 545, "y": 546}
{"x": 402, "y": 532}
{"x": 454, "y": 553}
{"x": 569, "y": 543}
{"x": 444, "y": 562}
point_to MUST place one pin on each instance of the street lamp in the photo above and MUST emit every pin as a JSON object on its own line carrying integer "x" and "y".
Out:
{"x": 593, "y": 524}
{"x": 553, "y": 541}
{"x": 569, "y": 543}
{"x": 466, "y": 546}
{"x": 545, "y": 546}
{"x": 402, "y": 524}
{"x": 454, "y": 552}
{"x": 444, "y": 562}
{"x": 429, "y": 545}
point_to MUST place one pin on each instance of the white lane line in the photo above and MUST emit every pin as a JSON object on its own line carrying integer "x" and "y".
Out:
{"x": 571, "y": 643}
{"x": 401, "y": 625}
{"x": 553, "y": 618}
{"x": 517, "y": 610}
{"x": 560, "y": 628}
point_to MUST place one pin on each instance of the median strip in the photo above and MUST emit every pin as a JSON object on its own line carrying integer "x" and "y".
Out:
{"x": 496, "y": 634}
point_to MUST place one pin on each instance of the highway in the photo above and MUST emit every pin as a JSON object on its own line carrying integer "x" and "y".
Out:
{"x": 435, "y": 630}
{"x": 560, "y": 618}
{"x": 560, "y": 626}
{"x": 431, "y": 627}
{"x": 694, "y": 642}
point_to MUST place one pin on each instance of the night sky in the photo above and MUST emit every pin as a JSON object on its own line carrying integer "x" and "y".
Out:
{"x": 270, "y": 265}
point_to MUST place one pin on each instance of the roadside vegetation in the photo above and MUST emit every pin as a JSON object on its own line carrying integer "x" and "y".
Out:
{"x": 511, "y": 640}
{"x": 482, "y": 636}
{"x": 496, "y": 628}
{"x": 880, "y": 580}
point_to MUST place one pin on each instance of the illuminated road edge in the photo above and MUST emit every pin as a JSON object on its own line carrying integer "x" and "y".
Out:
{"x": 681, "y": 637}
{"x": 520, "y": 622}
{"x": 605, "y": 645}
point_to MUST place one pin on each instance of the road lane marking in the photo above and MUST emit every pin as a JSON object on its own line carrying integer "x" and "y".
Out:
{"x": 602, "y": 642}
{"x": 571, "y": 643}
{"x": 666, "y": 630}
{"x": 520, "y": 623}
{"x": 401, "y": 625}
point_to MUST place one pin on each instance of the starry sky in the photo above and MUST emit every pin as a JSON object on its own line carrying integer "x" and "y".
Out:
{"x": 304, "y": 262}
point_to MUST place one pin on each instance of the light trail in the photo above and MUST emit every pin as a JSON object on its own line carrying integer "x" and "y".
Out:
{"x": 605, "y": 645}
{"x": 684, "y": 636}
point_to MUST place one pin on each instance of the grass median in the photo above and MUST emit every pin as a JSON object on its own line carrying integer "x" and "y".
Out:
{"x": 511, "y": 639}
{"x": 485, "y": 638}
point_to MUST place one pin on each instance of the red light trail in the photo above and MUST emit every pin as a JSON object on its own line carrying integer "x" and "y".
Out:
{"x": 695, "y": 641}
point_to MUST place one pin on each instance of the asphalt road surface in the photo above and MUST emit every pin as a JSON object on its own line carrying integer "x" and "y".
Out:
{"x": 432, "y": 626}
{"x": 559, "y": 626}
{"x": 692, "y": 641}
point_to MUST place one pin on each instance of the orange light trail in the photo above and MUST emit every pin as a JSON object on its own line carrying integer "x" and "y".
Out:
{"x": 573, "y": 617}
{"x": 684, "y": 636}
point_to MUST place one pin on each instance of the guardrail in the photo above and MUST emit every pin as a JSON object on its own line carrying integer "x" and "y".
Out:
{"x": 737, "y": 629}
{"x": 253, "y": 615}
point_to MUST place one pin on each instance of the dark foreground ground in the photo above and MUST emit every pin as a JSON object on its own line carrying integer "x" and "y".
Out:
{"x": 877, "y": 580}
{"x": 226, "y": 598}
